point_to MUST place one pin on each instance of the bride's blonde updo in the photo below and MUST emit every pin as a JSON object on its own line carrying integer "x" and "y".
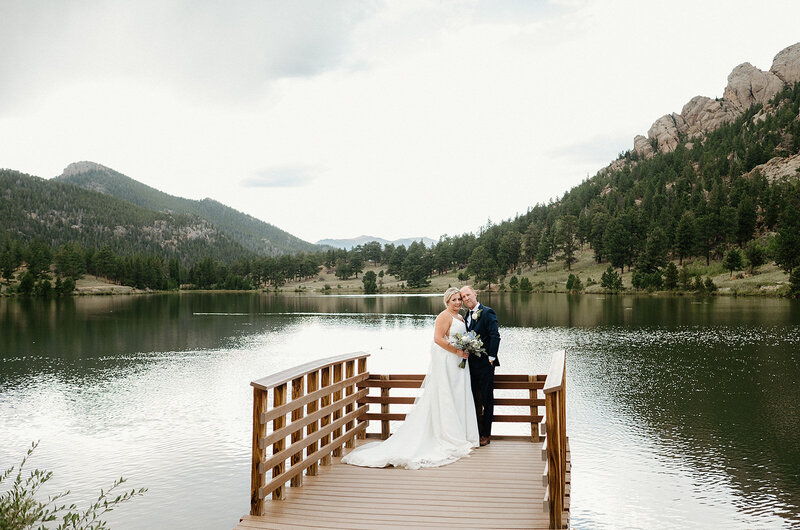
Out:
{"x": 448, "y": 294}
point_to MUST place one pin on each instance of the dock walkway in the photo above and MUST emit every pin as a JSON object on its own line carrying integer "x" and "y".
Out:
{"x": 488, "y": 489}
{"x": 306, "y": 418}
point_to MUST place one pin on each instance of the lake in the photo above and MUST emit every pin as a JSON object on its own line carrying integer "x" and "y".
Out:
{"x": 681, "y": 411}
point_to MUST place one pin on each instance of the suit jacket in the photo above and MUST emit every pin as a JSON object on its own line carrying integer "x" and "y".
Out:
{"x": 486, "y": 328}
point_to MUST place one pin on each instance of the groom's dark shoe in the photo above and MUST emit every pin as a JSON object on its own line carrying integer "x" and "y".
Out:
{"x": 485, "y": 440}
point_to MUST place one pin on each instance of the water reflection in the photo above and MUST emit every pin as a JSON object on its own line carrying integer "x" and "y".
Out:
{"x": 682, "y": 411}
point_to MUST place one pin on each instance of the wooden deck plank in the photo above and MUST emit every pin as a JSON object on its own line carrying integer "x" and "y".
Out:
{"x": 497, "y": 486}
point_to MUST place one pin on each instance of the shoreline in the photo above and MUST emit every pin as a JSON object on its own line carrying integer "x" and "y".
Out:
{"x": 768, "y": 281}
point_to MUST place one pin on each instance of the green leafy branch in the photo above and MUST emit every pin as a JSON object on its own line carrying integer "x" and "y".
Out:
{"x": 20, "y": 510}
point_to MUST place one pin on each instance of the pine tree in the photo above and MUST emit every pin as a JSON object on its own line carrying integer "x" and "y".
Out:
{"x": 671, "y": 276}
{"x": 686, "y": 236}
{"x": 733, "y": 260}
{"x": 370, "y": 282}
{"x": 611, "y": 280}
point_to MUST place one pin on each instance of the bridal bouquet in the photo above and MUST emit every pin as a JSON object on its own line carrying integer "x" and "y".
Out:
{"x": 468, "y": 342}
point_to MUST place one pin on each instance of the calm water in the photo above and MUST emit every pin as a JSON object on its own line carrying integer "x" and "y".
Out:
{"x": 681, "y": 411}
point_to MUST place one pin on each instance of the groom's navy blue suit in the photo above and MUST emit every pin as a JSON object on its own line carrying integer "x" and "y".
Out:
{"x": 481, "y": 371}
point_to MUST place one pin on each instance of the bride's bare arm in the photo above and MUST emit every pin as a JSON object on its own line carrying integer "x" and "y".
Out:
{"x": 440, "y": 332}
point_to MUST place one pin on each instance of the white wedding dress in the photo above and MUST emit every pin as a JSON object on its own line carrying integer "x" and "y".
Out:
{"x": 440, "y": 428}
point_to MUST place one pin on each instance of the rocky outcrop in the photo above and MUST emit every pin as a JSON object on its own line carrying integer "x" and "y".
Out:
{"x": 705, "y": 114}
{"x": 643, "y": 146}
{"x": 786, "y": 64}
{"x": 779, "y": 168}
{"x": 78, "y": 168}
{"x": 666, "y": 129}
{"x": 747, "y": 86}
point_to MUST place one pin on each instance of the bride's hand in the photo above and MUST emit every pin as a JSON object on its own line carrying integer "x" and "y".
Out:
{"x": 462, "y": 354}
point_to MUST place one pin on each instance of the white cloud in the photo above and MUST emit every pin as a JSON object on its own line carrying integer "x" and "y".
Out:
{"x": 326, "y": 119}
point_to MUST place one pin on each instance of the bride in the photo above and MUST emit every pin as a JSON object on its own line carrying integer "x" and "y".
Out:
{"x": 442, "y": 426}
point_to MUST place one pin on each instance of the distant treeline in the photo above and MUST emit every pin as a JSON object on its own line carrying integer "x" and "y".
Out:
{"x": 701, "y": 200}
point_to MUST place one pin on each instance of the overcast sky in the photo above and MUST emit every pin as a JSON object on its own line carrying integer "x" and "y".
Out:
{"x": 332, "y": 119}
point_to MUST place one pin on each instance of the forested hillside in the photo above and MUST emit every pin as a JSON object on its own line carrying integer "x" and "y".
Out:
{"x": 56, "y": 213}
{"x": 714, "y": 197}
{"x": 262, "y": 238}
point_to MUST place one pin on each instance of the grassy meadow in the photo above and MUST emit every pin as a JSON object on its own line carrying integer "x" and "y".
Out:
{"x": 767, "y": 280}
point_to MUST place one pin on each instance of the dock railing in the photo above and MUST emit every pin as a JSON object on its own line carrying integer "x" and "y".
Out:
{"x": 528, "y": 384}
{"x": 555, "y": 450}
{"x": 323, "y": 412}
{"x": 327, "y": 405}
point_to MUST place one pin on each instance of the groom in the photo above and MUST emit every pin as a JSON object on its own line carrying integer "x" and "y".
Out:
{"x": 483, "y": 321}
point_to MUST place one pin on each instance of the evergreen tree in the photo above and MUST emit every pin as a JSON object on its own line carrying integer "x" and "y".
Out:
{"x": 509, "y": 251}
{"x": 733, "y": 260}
{"x": 38, "y": 256}
{"x": 396, "y": 260}
{"x": 69, "y": 260}
{"x": 370, "y": 282}
{"x": 67, "y": 286}
{"x": 655, "y": 253}
{"x": 686, "y": 236}
{"x": 794, "y": 283}
{"x": 26, "y": 283}
{"x": 482, "y": 265}
{"x": 525, "y": 285}
{"x": 417, "y": 266}
{"x": 787, "y": 240}
{"x": 545, "y": 249}
{"x": 599, "y": 223}
{"x": 372, "y": 252}
{"x": 356, "y": 262}
{"x": 174, "y": 268}
{"x": 684, "y": 278}
{"x": 574, "y": 283}
{"x": 530, "y": 243}
{"x": 8, "y": 262}
{"x": 671, "y": 276}
{"x": 343, "y": 269}
{"x": 567, "y": 239}
{"x": 611, "y": 280}
{"x": 617, "y": 242}
{"x": 755, "y": 255}
{"x": 105, "y": 261}
{"x": 745, "y": 220}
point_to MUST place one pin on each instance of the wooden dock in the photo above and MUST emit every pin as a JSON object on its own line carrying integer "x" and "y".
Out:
{"x": 507, "y": 484}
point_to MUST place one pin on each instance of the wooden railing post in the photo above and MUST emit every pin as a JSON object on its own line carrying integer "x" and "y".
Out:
{"x": 350, "y": 371}
{"x": 362, "y": 367}
{"x": 555, "y": 421}
{"x": 314, "y": 386}
{"x": 337, "y": 413}
{"x": 532, "y": 394}
{"x": 384, "y": 408}
{"x": 325, "y": 420}
{"x": 278, "y": 399}
{"x": 297, "y": 415}
{"x": 257, "y": 478}
{"x": 312, "y": 407}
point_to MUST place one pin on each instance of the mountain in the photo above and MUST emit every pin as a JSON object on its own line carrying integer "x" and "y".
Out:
{"x": 347, "y": 244}
{"x": 747, "y": 86}
{"x": 719, "y": 181}
{"x": 58, "y": 213}
{"x": 261, "y": 238}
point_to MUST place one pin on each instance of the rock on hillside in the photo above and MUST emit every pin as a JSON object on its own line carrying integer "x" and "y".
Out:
{"x": 779, "y": 168}
{"x": 747, "y": 86}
